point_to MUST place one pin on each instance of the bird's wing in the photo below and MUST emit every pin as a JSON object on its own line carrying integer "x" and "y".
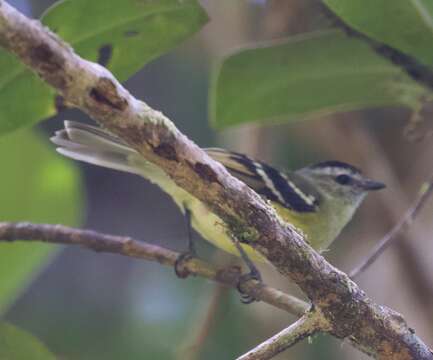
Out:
{"x": 288, "y": 189}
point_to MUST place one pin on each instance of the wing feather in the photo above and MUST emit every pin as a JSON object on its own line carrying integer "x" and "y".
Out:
{"x": 288, "y": 189}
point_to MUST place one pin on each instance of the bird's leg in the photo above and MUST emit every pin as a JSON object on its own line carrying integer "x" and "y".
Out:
{"x": 190, "y": 253}
{"x": 191, "y": 245}
{"x": 253, "y": 274}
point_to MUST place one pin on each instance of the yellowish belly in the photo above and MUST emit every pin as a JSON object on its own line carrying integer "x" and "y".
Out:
{"x": 212, "y": 228}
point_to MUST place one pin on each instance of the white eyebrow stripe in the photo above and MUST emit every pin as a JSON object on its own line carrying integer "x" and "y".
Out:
{"x": 268, "y": 181}
{"x": 309, "y": 199}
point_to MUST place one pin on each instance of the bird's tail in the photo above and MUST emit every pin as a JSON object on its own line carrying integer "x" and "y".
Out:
{"x": 96, "y": 146}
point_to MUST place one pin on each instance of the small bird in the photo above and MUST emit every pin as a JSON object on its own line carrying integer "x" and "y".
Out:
{"x": 319, "y": 199}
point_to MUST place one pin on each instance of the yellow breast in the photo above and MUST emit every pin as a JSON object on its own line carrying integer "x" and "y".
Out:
{"x": 212, "y": 228}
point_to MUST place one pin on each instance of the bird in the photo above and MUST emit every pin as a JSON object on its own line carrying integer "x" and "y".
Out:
{"x": 319, "y": 199}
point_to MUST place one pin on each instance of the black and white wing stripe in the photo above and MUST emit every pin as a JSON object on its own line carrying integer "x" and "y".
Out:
{"x": 289, "y": 190}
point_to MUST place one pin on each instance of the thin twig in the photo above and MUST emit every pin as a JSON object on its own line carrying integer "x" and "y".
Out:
{"x": 191, "y": 348}
{"x": 122, "y": 245}
{"x": 404, "y": 223}
{"x": 307, "y": 325}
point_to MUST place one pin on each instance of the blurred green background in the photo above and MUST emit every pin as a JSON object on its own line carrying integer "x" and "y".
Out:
{"x": 85, "y": 305}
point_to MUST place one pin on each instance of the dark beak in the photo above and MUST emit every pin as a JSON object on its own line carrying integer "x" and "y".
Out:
{"x": 370, "y": 185}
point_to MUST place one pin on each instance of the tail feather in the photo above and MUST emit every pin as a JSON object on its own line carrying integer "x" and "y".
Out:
{"x": 94, "y": 136}
{"x": 98, "y": 147}
{"x": 95, "y": 146}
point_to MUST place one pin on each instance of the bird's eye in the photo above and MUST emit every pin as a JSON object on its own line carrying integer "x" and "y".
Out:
{"x": 343, "y": 179}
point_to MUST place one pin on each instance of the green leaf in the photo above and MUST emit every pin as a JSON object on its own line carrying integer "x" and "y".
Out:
{"x": 17, "y": 344}
{"x": 405, "y": 25}
{"x": 124, "y": 35}
{"x": 133, "y": 31}
{"x": 35, "y": 185}
{"x": 24, "y": 98}
{"x": 305, "y": 76}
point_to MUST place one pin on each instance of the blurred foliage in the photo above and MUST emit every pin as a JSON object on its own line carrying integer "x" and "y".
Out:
{"x": 304, "y": 76}
{"x": 16, "y": 344}
{"x": 136, "y": 33}
{"x": 36, "y": 185}
{"x": 405, "y": 25}
{"x": 24, "y": 99}
{"x": 155, "y": 319}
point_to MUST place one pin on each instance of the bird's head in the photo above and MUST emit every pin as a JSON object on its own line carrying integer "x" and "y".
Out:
{"x": 338, "y": 180}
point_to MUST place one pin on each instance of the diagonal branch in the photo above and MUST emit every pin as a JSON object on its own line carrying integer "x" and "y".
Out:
{"x": 307, "y": 325}
{"x": 408, "y": 218}
{"x": 122, "y": 245}
{"x": 93, "y": 89}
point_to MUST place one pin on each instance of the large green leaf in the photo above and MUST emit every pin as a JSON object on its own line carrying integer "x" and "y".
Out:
{"x": 404, "y": 24}
{"x": 134, "y": 32}
{"x": 17, "y": 344}
{"x": 35, "y": 185}
{"x": 24, "y": 98}
{"x": 124, "y": 35}
{"x": 305, "y": 76}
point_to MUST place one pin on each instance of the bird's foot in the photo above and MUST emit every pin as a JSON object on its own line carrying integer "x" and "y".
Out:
{"x": 180, "y": 268}
{"x": 254, "y": 274}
